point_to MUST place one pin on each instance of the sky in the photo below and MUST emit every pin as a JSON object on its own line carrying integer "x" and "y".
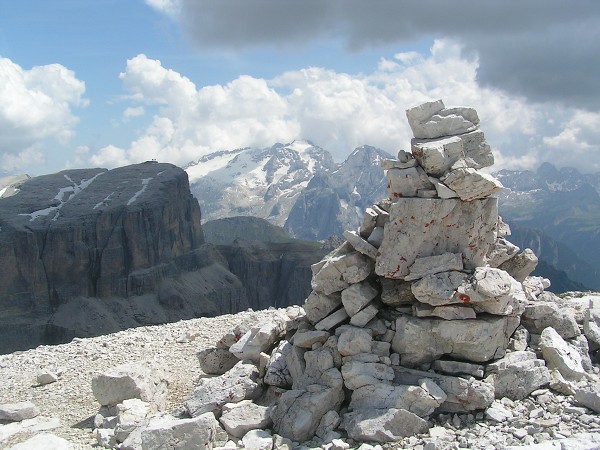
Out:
{"x": 106, "y": 83}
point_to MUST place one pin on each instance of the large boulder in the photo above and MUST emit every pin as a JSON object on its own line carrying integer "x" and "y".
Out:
{"x": 517, "y": 375}
{"x": 425, "y": 227}
{"x": 141, "y": 380}
{"x": 238, "y": 384}
{"x": 383, "y": 425}
{"x": 423, "y": 340}
{"x": 169, "y": 432}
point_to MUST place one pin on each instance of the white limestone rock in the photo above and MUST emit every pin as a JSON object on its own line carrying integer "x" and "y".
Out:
{"x": 416, "y": 399}
{"x": 407, "y": 182}
{"x": 168, "y": 432}
{"x": 387, "y": 164}
{"x": 360, "y": 244}
{"x": 437, "y": 156}
{"x": 439, "y": 289}
{"x": 448, "y": 312}
{"x": 429, "y": 265}
{"x": 540, "y": 315}
{"x": 130, "y": 414}
{"x": 16, "y": 412}
{"x": 47, "y": 441}
{"x": 339, "y": 272}
{"x": 589, "y": 396}
{"x": 376, "y": 237}
{"x": 357, "y": 296}
{"x": 560, "y": 355}
{"x": 382, "y": 425}
{"x": 492, "y": 291}
{"x": 216, "y": 361}
{"x": 364, "y": 316}
{"x": 501, "y": 252}
{"x": 369, "y": 222}
{"x": 332, "y": 320}
{"x": 240, "y": 383}
{"x": 132, "y": 380}
{"x": 259, "y": 338}
{"x": 559, "y": 384}
{"x": 318, "y": 306}
{"x": 464, "y": 394}
{"x": 45, "y": 376}
{"x": 470, "y": 184}
{"x": 239, "y": 418}
{"x": 257, "y": 440}
{"x": 299, "y": 411}
{"x": 591, "y": 325}
{"x": 277, "y": 372}
{"x": 425, "y": 227}
{"x": 423, "y": 340}
{"x": 458, "y": 368}
{"x": 357, "y": 374}
{"x": 353, "y": 341}
{"x": 521, "y": 265}
{"x": 432, "y": 120}
{"x": 499, "y": 413}
{"x": 517, "y": 375}
{"x": 476, "y": 149}
{"x": 442, "y": 190}
{"x": 306, "y": 339}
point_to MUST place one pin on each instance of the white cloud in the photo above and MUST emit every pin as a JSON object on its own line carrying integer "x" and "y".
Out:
{"x": 130, "y": 112}
{"x": 36, "y": 106}
{"x": 338, "y": 111}
{"x": 171, "y": 8}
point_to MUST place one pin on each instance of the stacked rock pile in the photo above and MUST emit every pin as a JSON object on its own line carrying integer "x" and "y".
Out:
{"x": 418, "y": 313}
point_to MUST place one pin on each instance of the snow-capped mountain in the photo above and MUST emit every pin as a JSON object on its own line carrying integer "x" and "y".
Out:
{"x": 261, "y": 182}
{"x": 296, "y": 185}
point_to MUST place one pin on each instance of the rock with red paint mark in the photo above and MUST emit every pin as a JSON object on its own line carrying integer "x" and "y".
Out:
{"x": 493, "y": 291}
{"x": 442, "y": 190}
{"x": 339, "y": 272}
{"x": 432, "y": 120}
{"x": 425, "y": 227}
{"x": 429, "y": 265}
{"x": 423, "y": 340}
{"x": 437, "y": 156}
{"x": 470, "y": 184}
{"x": 407, "y": 182}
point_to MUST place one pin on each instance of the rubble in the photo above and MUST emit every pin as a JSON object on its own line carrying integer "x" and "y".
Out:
{"x": 414, "y": 321}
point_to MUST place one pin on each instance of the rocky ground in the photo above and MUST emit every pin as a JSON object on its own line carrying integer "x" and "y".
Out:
{"x": 172, "y": 347}
{"x": 67, "y": 406}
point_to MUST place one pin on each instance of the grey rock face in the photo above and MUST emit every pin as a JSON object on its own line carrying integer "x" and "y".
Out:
{"x": 420, "y": 228}
{"x": 120, "y": 235}
{"x": 423, "y": 340}
{"x": 383, "y": 425}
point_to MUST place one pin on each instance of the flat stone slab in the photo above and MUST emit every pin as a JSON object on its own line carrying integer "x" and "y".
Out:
{"x": 433, "y": 120}
{"x": 15, "y": 412}
{"x": 383, "y": 425}
{"x": 425, "y": 227}
{"x": 423, "y": 340}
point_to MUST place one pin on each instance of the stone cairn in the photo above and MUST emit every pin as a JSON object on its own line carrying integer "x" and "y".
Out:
{"x": 410, "y": 317}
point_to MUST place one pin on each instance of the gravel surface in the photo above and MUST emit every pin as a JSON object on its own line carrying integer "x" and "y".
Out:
{"x": 171, "y": 346}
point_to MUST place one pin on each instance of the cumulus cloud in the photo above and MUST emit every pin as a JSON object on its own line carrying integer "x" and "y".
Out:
{"x": 545, "y": 50}
{"x": 37, "y": 105}
{"x": 338, "y": 111}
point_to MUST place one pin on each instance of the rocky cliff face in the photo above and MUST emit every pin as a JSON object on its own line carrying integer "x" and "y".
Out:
{"x": 129, "y": 233}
